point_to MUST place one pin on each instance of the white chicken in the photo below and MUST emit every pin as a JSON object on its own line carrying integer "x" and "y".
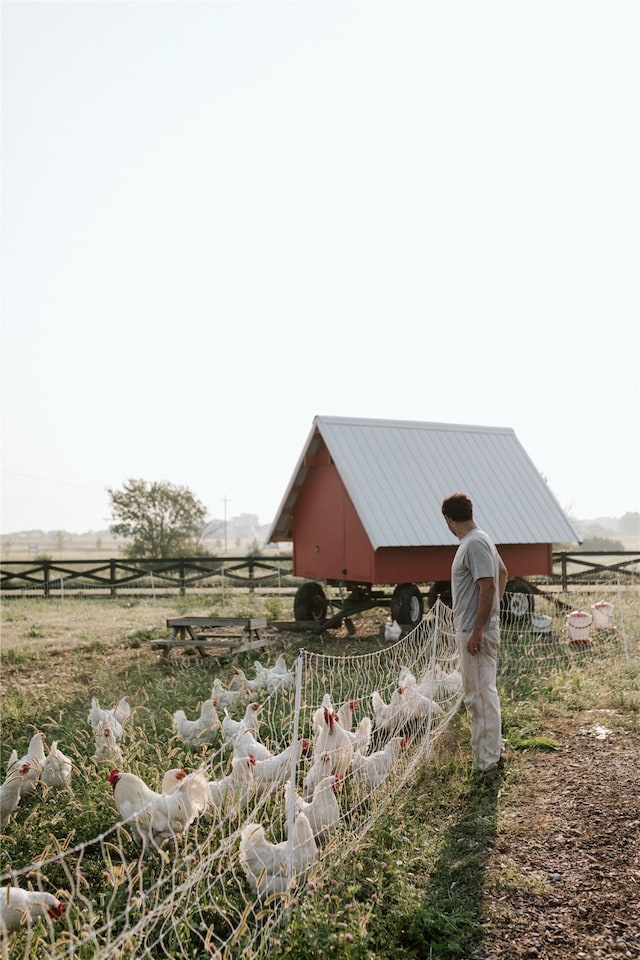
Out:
{"x": 172, "y": 779}
{"x": 277, "y": 677}
{"x": 272, "y": 771}
{"x": 323, "y": 810}
{"x": 242, "y": 682}
{"x": 114, "y": 718}
{"x": 156, "y": 816}
{"x": 194, "y": 783}
{"x": 232, "y": 728}
{"x": 448, "y": 685}
{"x": 418, "y": 702}
{"x": 321, "y": 767}
{"x": 333, "y": 739}
{"x": 247, "y": 744}
{"x": 406, "y": 675}
{"x": 361, "y": 736}
{"x": 270, "y": 867}
{"x": 345, "y": 714}
{"x": 388, "y": 717}
{"x": 10, "y": 793}
{"x": 203, "y": 731}
{"x": 230, "y": 793}
{"x": 20, "y": 908}
{"x": 226, "y": 697}
{"x": 34, "y": 757}
{"x": 57, "y": 767}
{"x": 392, "y": 631}
{"x": 426, "y": 686}
{"x": 107, "y": 747}
{"x": 374, "y": 768}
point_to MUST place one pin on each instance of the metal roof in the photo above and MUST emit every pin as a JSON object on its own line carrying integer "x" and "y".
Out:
{"x": 397, "y": 473}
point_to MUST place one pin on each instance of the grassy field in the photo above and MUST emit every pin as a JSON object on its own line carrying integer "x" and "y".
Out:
{"x": 415, "y": 888}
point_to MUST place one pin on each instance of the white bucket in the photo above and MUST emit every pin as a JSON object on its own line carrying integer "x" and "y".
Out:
{"x": 603, "y": 615}
{"x": 578, "y": 623}
{"x": 540, "y": 622}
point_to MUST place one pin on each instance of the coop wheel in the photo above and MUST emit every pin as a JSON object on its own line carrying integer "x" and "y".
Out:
{"x": 406, "y": 604}
{"x": 518, "y": 601}
{"x": 310, "y": 602}
{"x": 442, "y": 589}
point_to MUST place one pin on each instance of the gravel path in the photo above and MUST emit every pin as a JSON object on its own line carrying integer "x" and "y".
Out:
{"x": 564, "y": 876}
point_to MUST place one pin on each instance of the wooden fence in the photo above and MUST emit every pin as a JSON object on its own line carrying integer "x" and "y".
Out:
{"x": 158, "y": 577}
{"x": 171, "y": 577}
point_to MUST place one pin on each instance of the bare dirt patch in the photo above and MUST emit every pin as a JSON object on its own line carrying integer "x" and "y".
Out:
{"x": 564, "y": 875}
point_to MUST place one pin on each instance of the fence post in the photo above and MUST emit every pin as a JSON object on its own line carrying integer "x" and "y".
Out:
{"x": 183, "y": 590}
{"x": 624, "y": 632}
{"x": 46, "y": 571}
{"x": 252, "y": 586}
{"x": 563, "y": 561}
{"x": 64, "y": 623}
{"x": 112, "y": 577}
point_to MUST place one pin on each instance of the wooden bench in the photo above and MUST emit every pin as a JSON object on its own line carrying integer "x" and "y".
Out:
{"x": 218, "y": 634}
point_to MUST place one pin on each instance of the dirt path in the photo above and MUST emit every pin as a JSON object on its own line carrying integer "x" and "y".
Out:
{"x": 564, "y": 876}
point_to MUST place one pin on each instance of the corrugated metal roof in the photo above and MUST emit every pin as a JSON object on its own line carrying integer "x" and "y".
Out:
{"x": 397, "y": 473}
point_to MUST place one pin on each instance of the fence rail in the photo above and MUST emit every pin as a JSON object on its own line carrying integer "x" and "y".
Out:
{"x": 168, "y": 577}
{"x": 179, "y": 575}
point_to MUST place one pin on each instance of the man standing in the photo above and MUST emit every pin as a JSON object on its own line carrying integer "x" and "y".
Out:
{"x": 478, "y": 580}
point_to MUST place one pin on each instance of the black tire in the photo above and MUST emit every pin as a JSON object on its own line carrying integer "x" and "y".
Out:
{"x": 310, "y": 602}
{"x": 442, "y": 589}
{"x": 518, "y": 602}
{"x": 407, "y": 604}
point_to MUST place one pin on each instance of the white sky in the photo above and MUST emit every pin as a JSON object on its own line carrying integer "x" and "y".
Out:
{"x": 221, "y": 219}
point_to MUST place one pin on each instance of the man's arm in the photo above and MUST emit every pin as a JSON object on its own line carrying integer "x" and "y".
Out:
{"x": 502, "y": 578}
{"x": 486, "y": 591}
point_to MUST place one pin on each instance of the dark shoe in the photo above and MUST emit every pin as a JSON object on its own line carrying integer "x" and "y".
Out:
{"x": 491, "y": 772}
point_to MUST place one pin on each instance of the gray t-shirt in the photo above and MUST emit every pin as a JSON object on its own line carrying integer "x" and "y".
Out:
{"x": 476, "y": 557}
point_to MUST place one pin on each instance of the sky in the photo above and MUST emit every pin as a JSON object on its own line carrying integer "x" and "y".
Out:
{"x": 222, "y": 219}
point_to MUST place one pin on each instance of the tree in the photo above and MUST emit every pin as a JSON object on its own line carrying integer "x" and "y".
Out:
{"x": 599, "y": 544}
{"x": 160, "y": 519}
{"x": 61, "y": 539}
{"x": 629, "y": 524}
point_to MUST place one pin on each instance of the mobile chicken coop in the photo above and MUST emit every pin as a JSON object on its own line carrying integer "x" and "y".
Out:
{"x": 363, "y": 513}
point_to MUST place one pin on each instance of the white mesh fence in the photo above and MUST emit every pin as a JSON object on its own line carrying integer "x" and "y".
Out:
{"x": 279, "y": 796}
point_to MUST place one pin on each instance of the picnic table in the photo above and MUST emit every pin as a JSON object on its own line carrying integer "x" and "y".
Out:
{"x": 217, "y": 634}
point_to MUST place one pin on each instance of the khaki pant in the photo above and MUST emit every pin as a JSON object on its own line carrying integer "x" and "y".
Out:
{"x": 481, "y": 697}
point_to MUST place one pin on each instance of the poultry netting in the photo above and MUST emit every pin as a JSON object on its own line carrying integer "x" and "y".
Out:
{"x": 290, "y": 767}
{"x": 298, "y": 763}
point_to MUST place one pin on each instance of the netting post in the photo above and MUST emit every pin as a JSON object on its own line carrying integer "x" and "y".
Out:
{"x": 291, "y": 808}
{"x": 434, "y": 647}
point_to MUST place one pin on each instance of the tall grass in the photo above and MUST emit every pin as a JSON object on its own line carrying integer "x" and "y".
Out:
{"x": 415, "y": 887}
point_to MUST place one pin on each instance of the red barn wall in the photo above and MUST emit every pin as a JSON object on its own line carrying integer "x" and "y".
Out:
{"x": 330, "y": 543}
{"x": 525, "y": 559}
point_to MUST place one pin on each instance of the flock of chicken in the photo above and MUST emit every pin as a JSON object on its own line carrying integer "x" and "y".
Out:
{"x": 18, "y": 906}
{"x": 333, "y": 751}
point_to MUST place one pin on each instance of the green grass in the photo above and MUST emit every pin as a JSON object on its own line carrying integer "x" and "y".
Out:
{"x": 415, "y": 887}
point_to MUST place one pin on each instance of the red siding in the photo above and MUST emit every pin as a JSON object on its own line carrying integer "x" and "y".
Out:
{"x": 413, "y": 564}
{"x": 330, "y": 543}
{"x": 525, "y": 559}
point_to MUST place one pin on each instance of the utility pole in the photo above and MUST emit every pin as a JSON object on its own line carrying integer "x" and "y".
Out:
{"x": 225, "y": 500}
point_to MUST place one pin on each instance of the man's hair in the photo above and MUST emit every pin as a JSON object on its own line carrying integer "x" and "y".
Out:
{"x": 458, "y": 507}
